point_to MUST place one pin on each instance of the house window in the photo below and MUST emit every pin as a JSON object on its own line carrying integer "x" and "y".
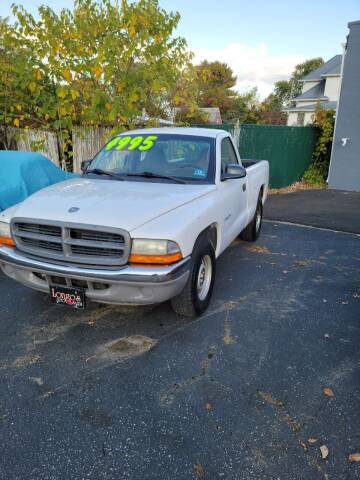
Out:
{"x": 300, "y": 119}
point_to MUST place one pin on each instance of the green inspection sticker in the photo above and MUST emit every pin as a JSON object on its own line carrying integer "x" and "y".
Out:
{"x": 132, "y": 143}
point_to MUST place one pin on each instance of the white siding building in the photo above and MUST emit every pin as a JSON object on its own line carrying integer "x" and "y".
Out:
{"x": 321, "y": 86}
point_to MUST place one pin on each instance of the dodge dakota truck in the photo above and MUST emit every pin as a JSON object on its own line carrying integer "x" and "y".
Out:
{"x": 144, "y": 223}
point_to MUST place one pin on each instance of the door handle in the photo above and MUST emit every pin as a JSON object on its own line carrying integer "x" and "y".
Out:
{"x": 244, "y": 187}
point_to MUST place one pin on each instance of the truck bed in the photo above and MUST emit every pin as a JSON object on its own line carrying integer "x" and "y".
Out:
{"x": 258, "y": 176}
{"x": 249, "y": 163}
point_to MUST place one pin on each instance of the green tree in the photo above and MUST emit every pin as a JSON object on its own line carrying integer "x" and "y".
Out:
{"x": 244, "y": 107}
{"x": 300, "y": 71}
{"x": 271, "y": 110}
{"x": 99, "y": 64}
{"x": 286, "y": 90}
{"x": 18, "y": 75}
{"x": 184, "y": 98}
{"x": 271, "y": 103}
{"x": 215, "y": 83}
{"x": 282, "y": 94}
{"x": 23, "y": 87}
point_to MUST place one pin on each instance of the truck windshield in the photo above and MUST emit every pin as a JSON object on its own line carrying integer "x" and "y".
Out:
{"x": 184, "y": 157}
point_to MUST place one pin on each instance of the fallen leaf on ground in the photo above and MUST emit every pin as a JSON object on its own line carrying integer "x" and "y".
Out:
{"x": 26, "y": 360}
{"x": 324, "y": 451}
{"x": 354, "y": 457}
{"x": 312, "y": 440}
{"x": 199, "y": 470}
{"x": 292, "y": 423}
{"x": 257, "y": 249}
{"x": 328, "y": 392}
{"x": 304, "y": 446}
{"x": 270, "y": 399}
{"x": 292, "y": 188}
{"x": 38, "y": 380}
{"x": 208, "y": 407}
{"x": 301, "y": 263}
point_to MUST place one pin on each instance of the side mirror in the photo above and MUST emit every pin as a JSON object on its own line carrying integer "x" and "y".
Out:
{"x": 233, "y": 170}
{"x": 84, "y": 165}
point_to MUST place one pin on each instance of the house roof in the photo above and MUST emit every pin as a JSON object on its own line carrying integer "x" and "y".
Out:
{"x": 314, "y": 93}
{"x": 355, "y": 22}
{"x": 144, "y": 117}
{"x": 311, "y": 108}
{"x": 331, "y": 67}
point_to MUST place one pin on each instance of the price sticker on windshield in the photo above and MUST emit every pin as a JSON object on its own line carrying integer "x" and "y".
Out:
{"x": 132, "y": 143}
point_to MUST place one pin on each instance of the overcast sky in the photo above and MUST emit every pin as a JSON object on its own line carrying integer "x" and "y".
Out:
{"x": 262, "y": 40}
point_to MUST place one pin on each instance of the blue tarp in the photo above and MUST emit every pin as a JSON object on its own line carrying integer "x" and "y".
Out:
{"x": 24, "y": 173}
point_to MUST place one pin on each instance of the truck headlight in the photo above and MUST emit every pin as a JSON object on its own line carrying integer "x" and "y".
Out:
{"x": 5, "y": 235}
{"x": 162, "y": 252}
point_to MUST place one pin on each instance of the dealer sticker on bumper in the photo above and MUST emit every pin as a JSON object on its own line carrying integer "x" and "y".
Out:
{"x": 72, "y": 297}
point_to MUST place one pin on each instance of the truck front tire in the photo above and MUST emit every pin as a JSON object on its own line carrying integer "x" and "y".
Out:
{"x": 195, "y": 297}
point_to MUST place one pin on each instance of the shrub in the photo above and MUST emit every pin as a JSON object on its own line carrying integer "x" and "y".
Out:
{"x": 316, "y": 174}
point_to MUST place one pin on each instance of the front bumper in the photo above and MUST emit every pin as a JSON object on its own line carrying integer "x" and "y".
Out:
{"x": 124, "y": 285}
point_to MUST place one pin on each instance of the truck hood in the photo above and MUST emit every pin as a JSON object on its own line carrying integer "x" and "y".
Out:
{"x": 109, "y": 203}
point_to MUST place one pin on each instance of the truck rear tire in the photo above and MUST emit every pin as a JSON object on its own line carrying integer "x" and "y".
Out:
{"x": 195, "y": 297}
{"x": 252, "y": 231}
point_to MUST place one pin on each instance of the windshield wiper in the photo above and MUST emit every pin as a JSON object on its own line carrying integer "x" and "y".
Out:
{"x": 99, "y": 171}
{"x": 155, "y": 175}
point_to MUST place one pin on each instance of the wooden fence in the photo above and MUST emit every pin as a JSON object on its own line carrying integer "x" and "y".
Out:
{"x": 41, "y": 141}
{"x": 86, "y": 142}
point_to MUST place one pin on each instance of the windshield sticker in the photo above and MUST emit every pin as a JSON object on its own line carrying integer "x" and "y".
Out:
{"x": 199, "y": 172}
{"x": 132, "y": 143}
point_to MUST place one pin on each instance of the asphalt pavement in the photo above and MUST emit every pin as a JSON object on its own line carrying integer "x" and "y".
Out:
{"x": 121, "y": 393}
{"x": 325, "y": 208}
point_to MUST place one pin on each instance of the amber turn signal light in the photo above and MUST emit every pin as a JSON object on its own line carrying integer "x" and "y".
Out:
{"x": 166, "y": 259}
{"x": 9, "y": 242}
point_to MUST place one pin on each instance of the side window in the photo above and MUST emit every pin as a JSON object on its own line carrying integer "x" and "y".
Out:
{"x": 228, "y": 154}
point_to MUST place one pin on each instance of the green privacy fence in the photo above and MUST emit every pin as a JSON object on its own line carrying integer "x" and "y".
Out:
{"x": 288, "y": 149}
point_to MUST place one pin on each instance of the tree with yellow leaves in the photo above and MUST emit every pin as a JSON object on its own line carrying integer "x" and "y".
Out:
{"x": 100, "y": 64}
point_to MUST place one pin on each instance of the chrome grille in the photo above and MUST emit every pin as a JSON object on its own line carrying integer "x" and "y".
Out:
{"x": 43, "y": 229}
{"x": 42, "y": 244}
{"x": 92, "y": 235}
{"x": 72, "y": 242}
{"x": 93, "y": 251}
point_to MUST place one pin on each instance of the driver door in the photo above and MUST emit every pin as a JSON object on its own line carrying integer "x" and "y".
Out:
{"x": 233, "y": 194}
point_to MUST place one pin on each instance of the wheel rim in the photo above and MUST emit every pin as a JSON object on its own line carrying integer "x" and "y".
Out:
{"x": 258, "y": 220}
{"x": 204, "y": 277}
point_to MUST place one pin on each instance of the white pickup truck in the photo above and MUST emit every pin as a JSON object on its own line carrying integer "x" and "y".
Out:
{"x": 142, "y": 225}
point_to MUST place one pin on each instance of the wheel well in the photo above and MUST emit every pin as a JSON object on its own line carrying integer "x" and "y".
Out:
{"x": 261, "y": 193}
{"x": 211, "y": 233}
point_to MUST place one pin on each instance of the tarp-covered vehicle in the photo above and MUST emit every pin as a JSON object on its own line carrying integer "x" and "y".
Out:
{"x": 24, "y": 173}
